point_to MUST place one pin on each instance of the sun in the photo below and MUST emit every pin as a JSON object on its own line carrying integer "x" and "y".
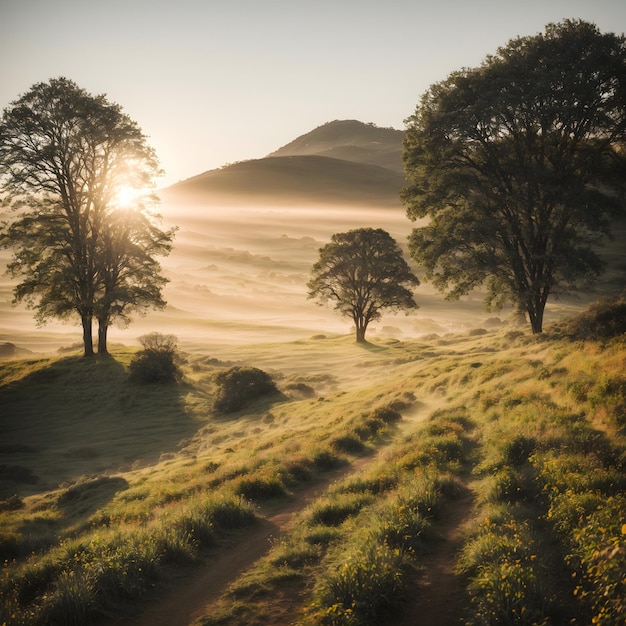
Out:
{"x": 126, "y": 196}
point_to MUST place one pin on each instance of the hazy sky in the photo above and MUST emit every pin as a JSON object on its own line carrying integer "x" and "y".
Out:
{"x": 216, "y": 81}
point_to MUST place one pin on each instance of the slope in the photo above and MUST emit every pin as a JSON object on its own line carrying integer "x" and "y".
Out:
{"x": 305, "y": 180}
{"x": 339, "y": 163}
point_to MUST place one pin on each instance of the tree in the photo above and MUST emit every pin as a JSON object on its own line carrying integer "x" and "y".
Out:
{"x": 519, "y": 164}
{"x": 66, "y": 157}
{"x": 363, "y": 272}
{"x": 130, "y": 276}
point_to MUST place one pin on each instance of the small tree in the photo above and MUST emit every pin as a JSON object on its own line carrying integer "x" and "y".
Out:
{"x": 520, "y": 166}
{"x": 363, "y": 272}
{"x": 156, "y": 363}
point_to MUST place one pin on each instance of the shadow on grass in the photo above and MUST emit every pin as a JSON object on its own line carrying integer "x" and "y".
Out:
{"x": 89, "y": 496}
{"x": 82, "y": 417}
{"x": 371, "y": 347}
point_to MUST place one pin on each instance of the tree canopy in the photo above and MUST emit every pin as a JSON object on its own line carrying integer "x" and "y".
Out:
{"x": 363, "y": 272}
{"x": 519, "y": 164}
{"x": 79, "y": 176}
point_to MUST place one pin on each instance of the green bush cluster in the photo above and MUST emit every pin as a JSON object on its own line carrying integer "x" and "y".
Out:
{"x": 587, "y": 509}
{"x": 547, "y": 472}
{"x": 238, "y": 386}
{"x": 157, "y": 361}
{"x": 366, "y": 576}
{"x": 604, "y": 319}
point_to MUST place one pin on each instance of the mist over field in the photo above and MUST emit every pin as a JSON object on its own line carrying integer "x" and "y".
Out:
{"x": 162, "y": 503}
{"x": 249, "y": 234}
{"x": 238, "y": 274}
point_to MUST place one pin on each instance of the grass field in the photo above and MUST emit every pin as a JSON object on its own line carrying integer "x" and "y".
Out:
{"x": 109, "y": 489}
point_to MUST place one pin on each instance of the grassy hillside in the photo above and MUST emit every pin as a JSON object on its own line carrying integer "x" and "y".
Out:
{"x": 110, "y": 488}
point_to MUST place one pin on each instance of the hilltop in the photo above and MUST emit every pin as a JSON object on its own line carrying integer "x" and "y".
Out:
{"x": 350, "y": 140}
{"x": 345, "y": 162}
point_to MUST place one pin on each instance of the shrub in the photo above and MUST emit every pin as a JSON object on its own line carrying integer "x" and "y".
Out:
{"x": 335, "y": 511}
{"x": 386, "y": 414}
{"x": 604, "y": 319}
{"x": 325, "y": 460}
{"x": 362, "y": 588}
{"x": 259, "y": 487}
{"x": 239, "y": 386}
{"x": 518, "y": 450}
{"x": 157, "y": 362}
{"x": 350, "y": 444}
{"x": 600, "y": 553}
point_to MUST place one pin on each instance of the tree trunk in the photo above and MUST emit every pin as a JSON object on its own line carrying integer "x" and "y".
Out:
{"x": 361, "y": 327}
{"x": 535, "y": 314}
{"x": 87, "y": 335}
{"x": 103, "y": 329}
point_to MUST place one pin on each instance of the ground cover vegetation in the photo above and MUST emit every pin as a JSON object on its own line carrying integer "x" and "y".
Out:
{"x": 531, "y": 427}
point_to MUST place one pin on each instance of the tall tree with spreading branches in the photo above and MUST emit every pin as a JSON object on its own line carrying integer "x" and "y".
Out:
{"x": 520, "y": 166}
{"x": 363, "y": 272}
{"x": 69, "y": 162}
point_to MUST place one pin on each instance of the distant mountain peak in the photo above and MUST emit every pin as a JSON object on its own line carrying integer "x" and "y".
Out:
{"x": 343, "y": 162}
{"x": 350, "y": 140}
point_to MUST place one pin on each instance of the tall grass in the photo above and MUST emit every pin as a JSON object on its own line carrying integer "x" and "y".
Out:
{"x": 537, "y": 419}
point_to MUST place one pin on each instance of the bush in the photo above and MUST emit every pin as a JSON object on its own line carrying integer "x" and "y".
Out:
{"x": 360, "y": 590}
{"x": 157, "y": 362}
{"x": 239, "y": 386}
{"x": 386, "y": 414}
{"x": 604, "y": 319}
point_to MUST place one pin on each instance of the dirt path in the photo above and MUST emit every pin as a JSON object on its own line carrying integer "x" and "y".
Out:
{"x": 440, "y": 598}
{"x": 192, "y": 596}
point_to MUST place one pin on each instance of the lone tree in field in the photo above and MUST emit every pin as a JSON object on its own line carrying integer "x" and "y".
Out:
{"x": 362, "y": 272}
{"x": 70, "y": 162}
{"x": 520, "y": 166}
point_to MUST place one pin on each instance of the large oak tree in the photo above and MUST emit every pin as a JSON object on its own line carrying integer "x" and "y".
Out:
{"x": 363, "y": 272}
{"x": 67, "y": 161}
{"x": 519, "y": 165}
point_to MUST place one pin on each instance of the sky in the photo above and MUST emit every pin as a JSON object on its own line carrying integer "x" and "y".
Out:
{"x": 212, "y": 82}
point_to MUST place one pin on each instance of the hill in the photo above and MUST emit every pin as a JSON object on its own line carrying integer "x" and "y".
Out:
{"x": 294, "y": 179}
{"x": 339, "y": 163}
{"x": 350, "y": 140}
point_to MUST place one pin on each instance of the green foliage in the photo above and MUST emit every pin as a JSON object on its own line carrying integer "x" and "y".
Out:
{"x": 239, "y": 386}
{"x": 350, "y": 443}
{"x": 260, "y": 487}
{"x": 336, "y": 510}
{"x": 362, "y": 272}
{"x": 600, "y": 557}
{"x": 362, "y": 588}
{"x": 84, "y": 577}
{"x": 604, "y": 319}
{"x": 386, "y": 414}
{"x": 546, "y": 469}
{"x": 157, "y": 362}
{"x": 506, "y": 158}
{"x": 80, "y": 254}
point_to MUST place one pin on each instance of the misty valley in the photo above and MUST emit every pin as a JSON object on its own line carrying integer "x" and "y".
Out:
{"x": 221, "y": 450}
